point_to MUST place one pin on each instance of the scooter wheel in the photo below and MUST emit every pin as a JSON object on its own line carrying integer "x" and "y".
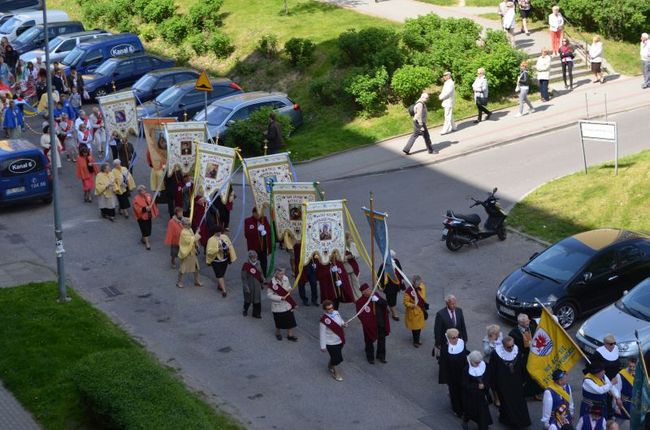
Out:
{"x": 452, "y": 244}
{"x": 502, "y": 233}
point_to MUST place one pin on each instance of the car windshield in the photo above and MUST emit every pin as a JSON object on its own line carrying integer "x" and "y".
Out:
{"x": 169, "y": 96}
{"x": 637, "y": 301}
{"x": 8, "y": 26}
{"x": 73, "y": 57}
{"x": 145, "y": 83}
{"x": 54, "y": 43}
{"x": 561, "y": 261}
{"x": 216, "y": 115}
{"x": 28, "y": 35}
{"x": 107, "y": 68}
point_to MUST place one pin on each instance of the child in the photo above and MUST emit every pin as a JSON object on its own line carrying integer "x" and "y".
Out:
{"x": 75, "y": 101}
{"x": 593, "y": 420}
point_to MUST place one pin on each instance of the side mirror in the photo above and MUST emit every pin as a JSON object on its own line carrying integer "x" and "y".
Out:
{"x": 587, "y": 276}
{"x": 532, "y": 257}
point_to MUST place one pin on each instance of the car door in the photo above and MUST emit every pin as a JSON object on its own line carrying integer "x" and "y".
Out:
{"x": 633, "y": 266}
{"x": 123, "y": 75}
{"x": 194, "y": 101}
{"x": 184, "y": 107}
{"x": 141, "y": 66}
{"x": 597, "y": 285}
{"x": 93, "y": 59}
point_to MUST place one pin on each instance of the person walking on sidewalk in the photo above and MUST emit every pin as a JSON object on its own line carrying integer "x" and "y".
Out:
{"x": 645, "y": 60}
{"x": 522, "y": 87}
{"x": 145, "y": 210}
{"x": 525, "y": 10}
{"x": 282, "y": 305}
{"x": 566, "y": 57}
{"x": 419, "y": 125}
{"x": 595, "y": 53}
{"x": 480, "y": 88}
{"x": 556, "y": 26}
{"x": 508, "y": 22}
{"x": 332, "y": 337}
{"x": 447, "y": 96}
{"x": 543, "y": 68}
{"x": 187, "y": 246}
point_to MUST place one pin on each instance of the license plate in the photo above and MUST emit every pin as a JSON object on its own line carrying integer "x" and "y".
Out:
{"x": 507, "y": 311}
{"x": 11, "y": 191}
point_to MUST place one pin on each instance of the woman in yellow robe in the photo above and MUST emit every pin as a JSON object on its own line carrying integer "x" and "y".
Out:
{"x": 104, "y": 190}
{"x": 415, "y": 320}
{"x": 124, "y": 184}
{"x": 187, "y": 254}
{"x": 219, "y": 253}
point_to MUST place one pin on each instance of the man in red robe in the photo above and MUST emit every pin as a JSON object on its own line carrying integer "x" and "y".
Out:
{"x": 334, "y": 283}
{"x": 374, "y": 319}
{"x": 258, "y": 236}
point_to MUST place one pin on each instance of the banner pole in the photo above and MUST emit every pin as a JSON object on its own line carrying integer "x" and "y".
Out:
{"x": 372, "y": 239}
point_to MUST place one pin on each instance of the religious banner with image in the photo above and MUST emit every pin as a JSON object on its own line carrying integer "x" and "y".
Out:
{"x": 154, "y": 134}
{"x": 215, "y": 165}
{"x": 323, "y": 231}
{"x": 119, "y": 113}
{"x": 183, "y": 139}
{"x": 262, "y": 170}
{"x": 288, "y": 199}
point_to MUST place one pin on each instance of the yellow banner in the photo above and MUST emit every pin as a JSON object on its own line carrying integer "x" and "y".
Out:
{"x": 551, "y": 348}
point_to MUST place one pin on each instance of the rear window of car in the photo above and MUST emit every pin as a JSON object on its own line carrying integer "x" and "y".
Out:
{"x": 21, "y": 165}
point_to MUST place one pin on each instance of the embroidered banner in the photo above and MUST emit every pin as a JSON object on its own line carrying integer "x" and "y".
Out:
{"x": 377, "y": 221}
{"x": 154, "y": 134}
{"x": 215, "y": 164}
{"x": 262, "y": 170}
{"x": 119, "y": 112}
{"x": 182, "y": 141}
{"x": 323, "y": 231}
{"x": 288, "y": 199}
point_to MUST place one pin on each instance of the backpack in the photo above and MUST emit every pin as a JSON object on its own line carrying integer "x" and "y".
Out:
{"x": 412, "y": 109}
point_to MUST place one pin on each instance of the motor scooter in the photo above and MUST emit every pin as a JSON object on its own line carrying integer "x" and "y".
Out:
{"x": 462, "y": 230}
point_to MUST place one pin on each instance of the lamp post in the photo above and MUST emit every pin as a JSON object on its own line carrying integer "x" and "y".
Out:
{"x": 58, "y": 230}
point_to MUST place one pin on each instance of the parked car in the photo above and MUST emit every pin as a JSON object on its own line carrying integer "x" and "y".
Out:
{"x": 149, "y": 86}
{"x": 631, "y": 313}
{"x": 11, "y": 6}
{"x": 89, "y": 55}
{"x": 121, "y": 72}
{"x": 60, "y": 46}
{"x": 577, "y": 275}
{"x": 34, "y": 38}
{"x": 4, "y": 17}
{"x": 224, "y": 112}
{"x": 24, "y": 172}
{"x": 18, "y": 24}
{"x": 182, "y": 99}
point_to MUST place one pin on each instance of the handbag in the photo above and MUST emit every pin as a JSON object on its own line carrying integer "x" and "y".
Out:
{"x": 426, "y": 315}
{"x": 517, "y": 88}
{"x": 483, "y": 101}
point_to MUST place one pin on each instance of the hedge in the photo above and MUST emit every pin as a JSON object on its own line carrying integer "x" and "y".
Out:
{"x": 248, "y": 134}
{"x": 126, "y": 389}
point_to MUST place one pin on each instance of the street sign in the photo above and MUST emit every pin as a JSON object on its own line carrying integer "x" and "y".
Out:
{"x": 203, "y": 83}
{"x": 599, "y": 131}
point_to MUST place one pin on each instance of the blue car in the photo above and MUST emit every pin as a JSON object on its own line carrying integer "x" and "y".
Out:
{"x": 88, "y": 56}
{"x": 24, "y": 173}
{"x": 121, "y": 72}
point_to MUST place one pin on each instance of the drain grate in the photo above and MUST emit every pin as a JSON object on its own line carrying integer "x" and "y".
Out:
{"x": 111, "y": 291}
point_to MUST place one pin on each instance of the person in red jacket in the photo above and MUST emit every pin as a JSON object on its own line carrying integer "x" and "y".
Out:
{"x": 258, "y": 236}
{"x": 334, "y": 283}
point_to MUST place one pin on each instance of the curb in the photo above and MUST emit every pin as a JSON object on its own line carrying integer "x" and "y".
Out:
{"x": 529, "y": 237}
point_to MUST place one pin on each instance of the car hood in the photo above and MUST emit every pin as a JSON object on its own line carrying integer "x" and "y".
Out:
{"x": 92, "y": 80}
{"x": 32, "y": 55}
{"x": 600, "y": 324}
{"x": 525, "y": 287}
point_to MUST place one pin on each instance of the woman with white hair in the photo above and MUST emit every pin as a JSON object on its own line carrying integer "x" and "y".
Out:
{"x": 105, "y": 191}
{"x": 480, "y": 88}
{"x": 508, "y": 22}
{"x": 556, "y": 27}
{"x": 452, "y": 361}
{"x": 595, "y": 54}
{"x": 475, "y": 393}
{"x": 492, "y": 339}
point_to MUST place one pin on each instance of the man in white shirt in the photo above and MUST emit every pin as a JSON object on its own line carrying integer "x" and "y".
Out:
{"x": 447, "y": 96}
{"x": 82, "y": 119}
{"x": 645, "y": 60}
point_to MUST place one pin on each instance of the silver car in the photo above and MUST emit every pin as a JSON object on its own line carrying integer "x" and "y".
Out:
{"x": 629, "y": 314}
{"x": 61, "y": 46}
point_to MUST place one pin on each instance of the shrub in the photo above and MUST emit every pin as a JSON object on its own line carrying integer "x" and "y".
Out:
{"x": 127, "y": 389}
{"x": 369, "y": 91}
{"x": 198, "y": 43}
{"x": 116, "y": 14}
{"x": 268, "y": 45}
{"x": 371, "y": 48}
{"x": 205, "y": 15}
{"x": 409, "y": 81}
{"x": 157, "y": 11}
{"x": 140, "y": 5}
{"x": 147, "y": 32}
{"x": 174, "y": 29}
{"x": 247, "y": 134}
{"x": 326, "y": 90}
{"x": 300, "y": 51}
{"x": 219, "y": 44}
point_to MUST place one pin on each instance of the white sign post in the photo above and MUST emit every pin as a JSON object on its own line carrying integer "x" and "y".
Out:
{"x": 599, "y": 131}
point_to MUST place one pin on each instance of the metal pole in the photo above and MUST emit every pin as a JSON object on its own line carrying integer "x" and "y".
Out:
{"x": 616, "y": 154}
{"x": 372, "y": 240}
{"x": 205, "y": 93}
{"x": 605, "y": 106}
{"x": 582, "y": 142}
{"x": 587, "y": 104}
{"x": 58, "y": 230}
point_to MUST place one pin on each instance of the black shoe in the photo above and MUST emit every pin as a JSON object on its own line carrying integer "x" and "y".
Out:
{"x": 292, "y": 338}
{"x": 259, "y": 317}
{"x": 395, "y": 317}
{"x": 278, "y": 336}
{"x": 488, "y": 116}
{"x": 244, "y": 312}
{"x": 371, "y": 361}
{"x": 313, "y": 303}
{"x": 476, "y": 121}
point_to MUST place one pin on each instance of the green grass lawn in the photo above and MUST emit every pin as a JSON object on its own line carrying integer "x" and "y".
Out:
{"x": 441, "y": 2}
{"x": 580, "y": 202}
{"x": 42, "y": 341}
{"x": 494, "y": 3}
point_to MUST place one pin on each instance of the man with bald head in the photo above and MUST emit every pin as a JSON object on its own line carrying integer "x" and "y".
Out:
{"x": 448, "y": 317}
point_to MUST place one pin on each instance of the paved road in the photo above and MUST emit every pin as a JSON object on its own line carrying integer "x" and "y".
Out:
{"x": 237, "y": 362}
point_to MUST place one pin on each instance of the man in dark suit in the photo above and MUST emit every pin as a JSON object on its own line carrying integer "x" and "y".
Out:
{"x": 76, "y": 81}
{"x": 448, "y": 317}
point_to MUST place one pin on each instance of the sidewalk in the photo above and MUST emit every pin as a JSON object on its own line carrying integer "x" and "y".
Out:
{"x": 621, "y": 93}
{"x": 12, "y": 415}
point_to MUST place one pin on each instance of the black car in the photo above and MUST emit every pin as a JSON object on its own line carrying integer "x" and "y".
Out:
{"x": 34, "y": 38}
{"x": 121, "y": 72}
{"x": 182, "y": 101}
{"x": 577, "y": 275}
{"x": 153, "y": 83}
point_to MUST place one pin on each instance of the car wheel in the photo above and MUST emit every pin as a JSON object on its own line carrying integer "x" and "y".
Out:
{"x": 566, "y": 313}
{"x": 502, "y": 233}
{"x": 100, "y": 93}
{"x": 452, "y": 244}
{"x": 47, "y": 200}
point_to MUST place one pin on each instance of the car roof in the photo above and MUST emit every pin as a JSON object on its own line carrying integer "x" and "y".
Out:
{"x": 109, "y": 37}
{"x": 9, "y": 146}
{"x": 236, "y": 100}
{"x": 604, "y": 237}
{"x": 213, "y": 81}
{"x": 38, "y": 13}
{"x": 57, "y": 24}
{"x": 81, "y": 34}
{"x": 138, "y": 55}
{"x": 170, "y": 70}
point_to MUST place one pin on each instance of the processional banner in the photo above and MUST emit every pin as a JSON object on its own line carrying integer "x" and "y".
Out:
{"x": 288, "y": 199}
{"x": 183, "y": 139}
{"x": 261, "y": 171}
{"x": 215, "y": 165}
{"x": 119, "y": 113}
{"x": 379, "y": 227}
{"x": 154, "y": 134}
{"x": 323, "y": 231}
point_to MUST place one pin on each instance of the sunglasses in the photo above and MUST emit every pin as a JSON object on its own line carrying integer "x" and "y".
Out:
{"x": 610, "y": 343}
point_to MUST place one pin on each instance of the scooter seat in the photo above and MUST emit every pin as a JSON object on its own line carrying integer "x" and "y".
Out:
{"x": 471, "y": 218}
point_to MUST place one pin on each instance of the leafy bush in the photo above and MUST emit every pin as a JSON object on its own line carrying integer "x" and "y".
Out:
{"x": 371, "y": 48}
{"x": 248, "y": 134}
{"x": 147, "y": 32}
{"x": 300, "y": 51}
{"x": 219, "y": 44}
{"x": 174, "y": 29}
{"x": 158, "y": 10}
{"x": 409, "y": 81}
{"x": 205, "y": 15}
{"x": 126, "y": 389}
{"x": 268, "y": 45}
{"x": 140, "y": 5}
{"x": 198, "y": 43}
{"x": 326, "y": 90}
{"x": 369, "y": 91}
{"x": 116, "y": 14}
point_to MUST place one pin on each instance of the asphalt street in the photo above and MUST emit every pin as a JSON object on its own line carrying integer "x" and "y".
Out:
{"x": 237, "y": 362}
